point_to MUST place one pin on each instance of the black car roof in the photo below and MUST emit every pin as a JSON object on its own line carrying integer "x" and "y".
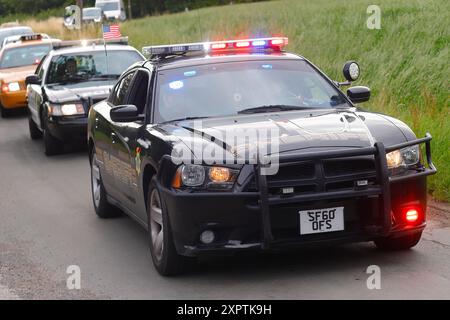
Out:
{"x": 186, "y": 61}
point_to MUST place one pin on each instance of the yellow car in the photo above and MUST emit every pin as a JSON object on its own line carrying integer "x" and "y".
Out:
{"x": 18, "y": 60}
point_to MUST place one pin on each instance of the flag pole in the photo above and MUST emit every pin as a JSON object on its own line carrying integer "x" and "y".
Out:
{"x": 106, "y": 51}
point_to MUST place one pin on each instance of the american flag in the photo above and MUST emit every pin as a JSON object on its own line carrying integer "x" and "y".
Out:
{"x": 111, "y": 31}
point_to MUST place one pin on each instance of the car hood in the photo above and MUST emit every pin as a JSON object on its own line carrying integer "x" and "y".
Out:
{"x": 16, "y": 74}
{"x": 318, "y": 130}
{"x": 77, "y": 92}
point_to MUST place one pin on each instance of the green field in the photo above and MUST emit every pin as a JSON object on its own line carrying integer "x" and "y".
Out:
{"x": 406, "y": 63}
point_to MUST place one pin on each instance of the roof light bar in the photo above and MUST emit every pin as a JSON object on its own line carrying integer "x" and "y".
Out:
{"x": 89, "y": 42}
{"x": 173, "y": 49}
{"x": 274, "y": 44}
{"x": 31, "y": 37}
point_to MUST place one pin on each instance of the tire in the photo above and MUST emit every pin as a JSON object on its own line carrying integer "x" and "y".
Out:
{"x": 102, "y": 207}
{"x": 52, "y": 145}
{"x": 400, "y": 243}
{"x": 35, "y": 133}
{"x": 165, "y": 257}
{"x": 3, "y": 111}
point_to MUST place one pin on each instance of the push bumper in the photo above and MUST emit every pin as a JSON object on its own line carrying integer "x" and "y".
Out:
{"x": 258, "y": 220}
{"x": 68, "y": 129}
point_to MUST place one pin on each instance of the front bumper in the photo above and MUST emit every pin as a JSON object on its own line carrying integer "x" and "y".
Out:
{"x": 259, "y": 220}
{"x": 68, "y": 128}
{"x": 13, "y": 100}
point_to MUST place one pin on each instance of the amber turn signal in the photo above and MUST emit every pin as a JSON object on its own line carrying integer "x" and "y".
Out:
{"x": 176, "y": 181}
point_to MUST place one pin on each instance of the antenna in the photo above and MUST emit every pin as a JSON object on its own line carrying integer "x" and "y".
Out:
{"x": 106, "y": 51}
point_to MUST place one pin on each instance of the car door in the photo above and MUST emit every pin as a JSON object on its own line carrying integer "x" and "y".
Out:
{"x": 34, "y": 95}
{"x": 111, "y": 175}
{"x": 125, "y": 147}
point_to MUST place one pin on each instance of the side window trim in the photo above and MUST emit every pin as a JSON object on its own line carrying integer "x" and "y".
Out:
{"x": 153, "y": 86}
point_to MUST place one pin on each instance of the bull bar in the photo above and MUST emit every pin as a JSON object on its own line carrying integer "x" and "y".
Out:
{"x": 382, "y": 190}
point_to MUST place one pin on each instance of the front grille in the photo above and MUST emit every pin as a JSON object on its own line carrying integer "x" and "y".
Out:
{"x": 321, "y": 175}
{"x": 337, "y": 167}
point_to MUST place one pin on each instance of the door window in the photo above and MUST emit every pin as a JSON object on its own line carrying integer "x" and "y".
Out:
{"x": 139, "y": 91}
{"x": 119, "y": 94}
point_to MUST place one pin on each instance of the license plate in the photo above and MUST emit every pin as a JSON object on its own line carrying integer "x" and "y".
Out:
{"x": 321, "y": 220}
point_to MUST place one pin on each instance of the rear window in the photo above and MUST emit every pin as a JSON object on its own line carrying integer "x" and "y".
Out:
{"x": 108, "y": 6}
{"x": 92, "y": 13}
{"x": 23, "y": 56}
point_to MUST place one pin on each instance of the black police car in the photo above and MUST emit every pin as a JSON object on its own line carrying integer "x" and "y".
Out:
{"x": 174, "y": 147}
{"x": 67, "y": 82}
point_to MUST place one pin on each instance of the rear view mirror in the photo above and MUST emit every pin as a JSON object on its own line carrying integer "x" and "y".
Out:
{"x": 32, "y": 79}
{"x": 125, "y": 113}
{"x": 358, "y": 94}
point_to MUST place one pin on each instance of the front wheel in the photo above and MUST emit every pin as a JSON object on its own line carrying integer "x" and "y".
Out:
{"x": 35, "y": 133}
{"x": 165, "y": 257}
{"x": 400, "y": 243}
{"x": 102, "y": 207}
{"x": 3, "y": 111}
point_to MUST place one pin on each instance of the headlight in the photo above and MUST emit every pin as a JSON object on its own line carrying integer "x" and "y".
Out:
{"x": 13, "y": 86}
{"x": 190, "y": 175}
{"x": 69, "y": 109}
{"x": 10, "y": 87}
{"x": 404, "y": 157}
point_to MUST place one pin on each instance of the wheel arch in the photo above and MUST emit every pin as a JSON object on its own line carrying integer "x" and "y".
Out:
{"x": 91, "y": 146}
{"x": 148, "y": 173}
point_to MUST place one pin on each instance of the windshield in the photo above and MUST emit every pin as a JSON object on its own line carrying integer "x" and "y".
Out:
{"x": 92, "y": 13}
{"x": 108, "y": 6}
{"x": 86, "y": 66}
{"x": 23, "y": 56}
{"x": 230, "y": 88}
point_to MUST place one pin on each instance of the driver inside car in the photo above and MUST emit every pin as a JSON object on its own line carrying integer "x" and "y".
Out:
{"x": 71, "y": 68}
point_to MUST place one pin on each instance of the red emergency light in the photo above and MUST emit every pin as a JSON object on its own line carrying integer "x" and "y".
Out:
{"x": 412, "y": 214}
{"x": 276, "y": 43}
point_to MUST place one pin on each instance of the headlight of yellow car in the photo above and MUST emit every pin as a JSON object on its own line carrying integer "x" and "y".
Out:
{"x": 403, "y": 157}
{"x": 10, "y": 87}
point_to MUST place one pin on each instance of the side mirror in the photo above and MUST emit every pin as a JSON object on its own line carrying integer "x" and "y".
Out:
{"x": 32, "y": 79}
{"x": 125, "y": 113}
{"x": 351, "y": 71}
{"x": 358, "y": 94}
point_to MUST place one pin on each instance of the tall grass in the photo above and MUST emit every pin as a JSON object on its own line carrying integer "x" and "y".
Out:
{"x": 42, "y": 15}
{"x": 406, "y": 63}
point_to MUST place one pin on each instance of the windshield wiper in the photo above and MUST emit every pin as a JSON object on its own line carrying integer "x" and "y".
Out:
{"x": 184, "y": 119}
{"x": 105, "y": 76}
{"x": 272, "y": 108}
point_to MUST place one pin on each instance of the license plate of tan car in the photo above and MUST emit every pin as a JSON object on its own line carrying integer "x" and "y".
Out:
{"x": 321, "y": 220}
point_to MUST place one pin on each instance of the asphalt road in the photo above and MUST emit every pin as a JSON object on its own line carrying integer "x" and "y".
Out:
{"x": 47, "y": 223}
